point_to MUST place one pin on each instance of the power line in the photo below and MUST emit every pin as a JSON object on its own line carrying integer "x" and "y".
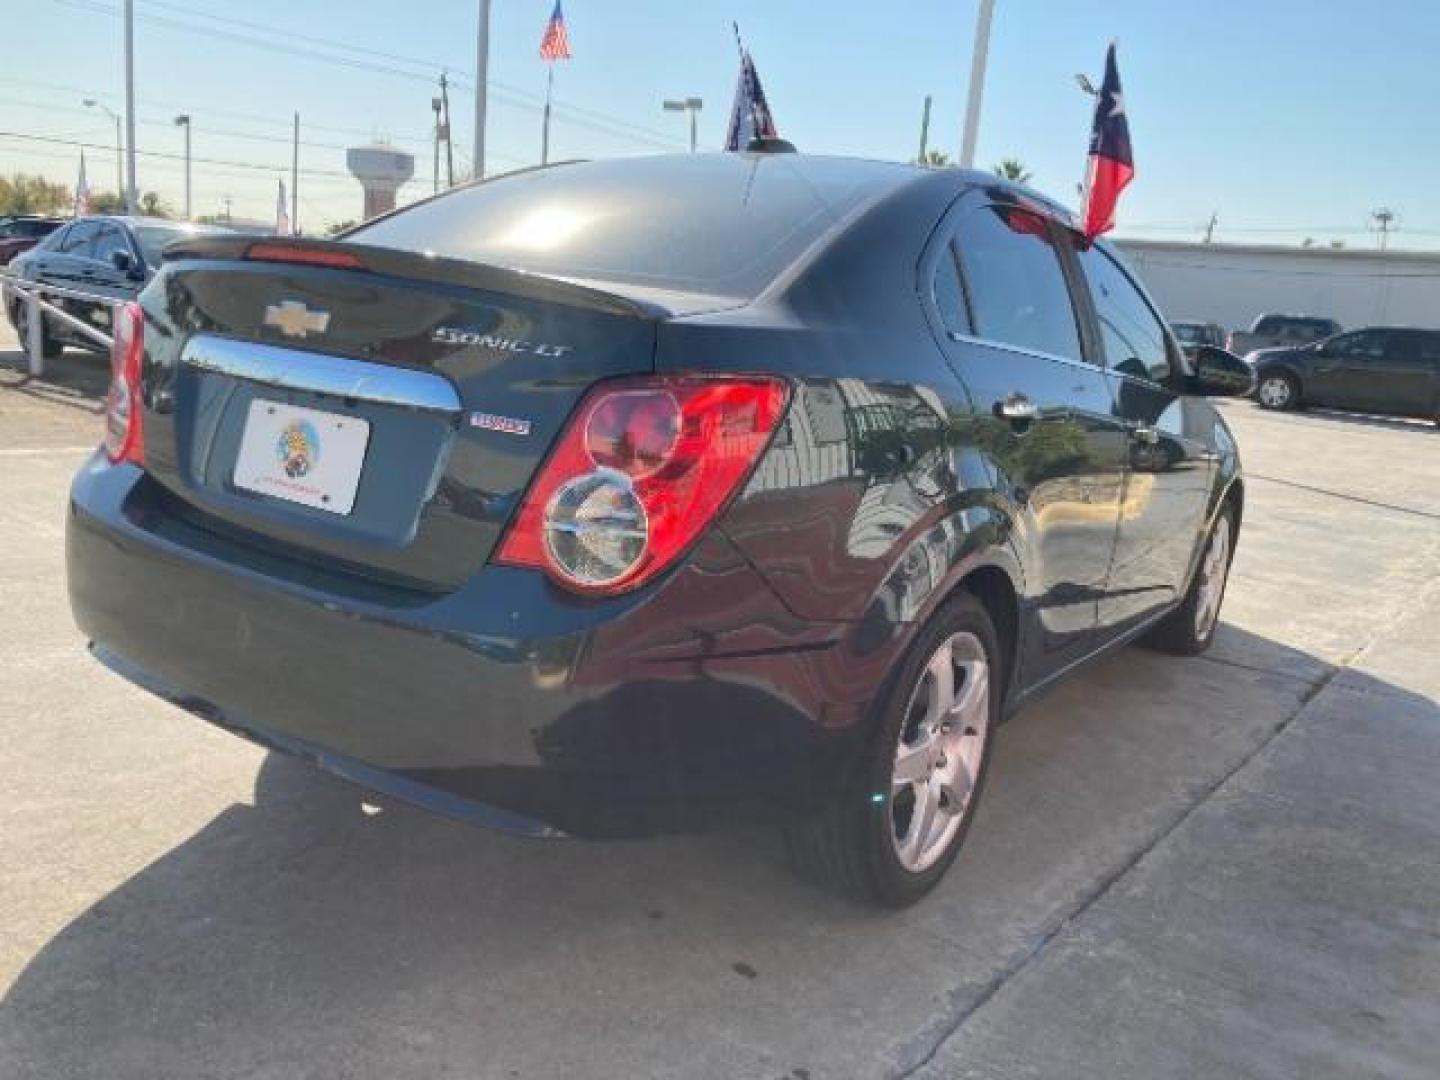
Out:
{"x": 82, "y": 144}
{"x": 590, "y": 118}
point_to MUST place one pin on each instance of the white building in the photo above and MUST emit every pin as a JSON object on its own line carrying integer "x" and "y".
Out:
{"x": 1231, "y": 284}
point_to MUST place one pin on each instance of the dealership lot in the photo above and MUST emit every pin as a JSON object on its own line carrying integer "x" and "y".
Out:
{"x": 1222, "y": 866}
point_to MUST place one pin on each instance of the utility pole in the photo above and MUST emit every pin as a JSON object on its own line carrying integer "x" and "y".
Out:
{"x": 295, "y": 179}
{"x": 977, "y": 84}
{"x": 924, "y": 131}
{"x": 1384, "y": 219}
{"x": 130, "y": 199}
{"x": 449, "y": 145}
{"x": 183, "y": 120}
{"x": 226, "y": 200}
{"x": 435, "y": 138}
{"x": 482, "y": 75}
{"x": 1210, "y": 227}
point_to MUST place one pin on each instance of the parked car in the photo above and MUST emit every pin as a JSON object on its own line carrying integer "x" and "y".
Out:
{"x": 111, "y": 257}
{"x": 1287, "y": 331}
{"x": 1191, "y": 335}
{"x": 22, "y": 232}
{"x": 1393, "y": 370}
{"x": 560, "y": 506}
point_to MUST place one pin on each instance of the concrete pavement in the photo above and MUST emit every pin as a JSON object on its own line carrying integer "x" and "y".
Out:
{"x": 1219, "y": 867}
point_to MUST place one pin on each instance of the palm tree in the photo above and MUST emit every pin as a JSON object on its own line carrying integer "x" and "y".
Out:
{"x": 934, "y": 159}
{"x": 151, "y": 205}
{"x": 1013, "y": 169}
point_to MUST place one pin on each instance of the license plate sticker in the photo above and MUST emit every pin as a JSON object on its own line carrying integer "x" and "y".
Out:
{"x": 306, "y": 456}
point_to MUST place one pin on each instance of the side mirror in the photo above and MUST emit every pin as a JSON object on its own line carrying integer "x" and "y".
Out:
{"x": 1220, "y": 374}
{"x": 122, "y": 261}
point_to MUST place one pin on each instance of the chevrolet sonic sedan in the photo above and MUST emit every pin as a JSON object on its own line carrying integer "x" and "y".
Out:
{"x": 648, "y": 495}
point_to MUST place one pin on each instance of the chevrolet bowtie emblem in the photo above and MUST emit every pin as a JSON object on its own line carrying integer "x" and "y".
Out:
{"x": 293, "y": 319}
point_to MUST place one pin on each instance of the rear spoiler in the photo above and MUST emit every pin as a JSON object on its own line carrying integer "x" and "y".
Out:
{"x": 414, "y": 266}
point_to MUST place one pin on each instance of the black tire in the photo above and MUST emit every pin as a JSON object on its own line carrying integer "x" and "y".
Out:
{"x": 850, "y": 846}
{"x": 1285, "y": 394}
{"x": 1180, "y": 632}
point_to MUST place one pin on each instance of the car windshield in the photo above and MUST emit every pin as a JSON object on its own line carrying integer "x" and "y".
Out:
{"x": 720, "y": 225}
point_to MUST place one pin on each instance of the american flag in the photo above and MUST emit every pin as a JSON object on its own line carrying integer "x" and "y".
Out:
{"x": 282, "y": 213}
{"x": 82, "y": 191}
{"x": 555, "y": 45}
{"x": 750, "y": 116}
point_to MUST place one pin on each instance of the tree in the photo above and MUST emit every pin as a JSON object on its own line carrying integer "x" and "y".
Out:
{"x": 107, "y": 202}
{"x": 25, "y": 194}
{"x": 934, "y": 159}
{"x": 334, "y": 228}
{"x": 1013, "y": 169}
{"x": 151, "y": 205}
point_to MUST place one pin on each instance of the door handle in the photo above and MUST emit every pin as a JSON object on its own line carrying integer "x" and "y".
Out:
{"x": 1144, "y": 433}
{"x": 1017, "y": 408}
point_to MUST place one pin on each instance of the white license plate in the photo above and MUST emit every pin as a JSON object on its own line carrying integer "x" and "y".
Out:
{"x": 302, "y": 455}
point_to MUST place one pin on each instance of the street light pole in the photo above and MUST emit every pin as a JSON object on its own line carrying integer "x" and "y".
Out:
{"x": 130, "y": 200}
{"x": 692, "y": 105}
{"x": 977, "y": 84}
{"x": 91, "y": 103}
{"x": 183, "y": 120}
{"x": 482, "y": 66}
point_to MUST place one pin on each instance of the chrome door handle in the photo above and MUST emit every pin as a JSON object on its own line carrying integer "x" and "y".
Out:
{"x": 1016, "y": 406}
{"x": 1143, "y": 433}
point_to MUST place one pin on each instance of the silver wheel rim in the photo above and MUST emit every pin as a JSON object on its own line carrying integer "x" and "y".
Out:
{"x": 1275, "y": 392}
{"x": 1213, "y": 568}
{"x": 939, "y": 752}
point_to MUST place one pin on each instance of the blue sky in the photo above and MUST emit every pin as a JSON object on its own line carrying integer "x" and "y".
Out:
{"x": 1288, "y": 119}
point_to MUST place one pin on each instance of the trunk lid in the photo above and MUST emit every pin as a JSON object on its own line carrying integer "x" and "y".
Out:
{"x": 383, "y": 418}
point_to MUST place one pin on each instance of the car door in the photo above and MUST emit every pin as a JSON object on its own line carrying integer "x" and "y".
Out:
{"x": 1042, "y": 414}
{"x": 1341, "y": 370}
{"x": 1168, "y": 460}
{"x": 103, "y": 278}
{"x": 1404, "y": 381}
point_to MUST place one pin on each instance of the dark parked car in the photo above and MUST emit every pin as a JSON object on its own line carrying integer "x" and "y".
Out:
{"x": 1191, "y": 335}
{"x": 21, "y": 233}
{"x": 109, "y": 256}
{"x": 1393, "y": 370}
{"x": 657, "y": 493}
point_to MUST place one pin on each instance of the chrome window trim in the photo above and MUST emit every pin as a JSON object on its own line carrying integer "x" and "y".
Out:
{"x": 1023, "y": 350}
{"x": 319, "y": 373}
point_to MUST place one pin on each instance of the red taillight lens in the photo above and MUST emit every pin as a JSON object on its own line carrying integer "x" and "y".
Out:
{"x": 643, "y": 467}
{"x": 274, "y": 251}
{"x": 123, "y": 437}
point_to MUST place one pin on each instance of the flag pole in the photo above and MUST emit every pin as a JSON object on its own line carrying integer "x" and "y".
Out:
{"x": 545, "y": 125}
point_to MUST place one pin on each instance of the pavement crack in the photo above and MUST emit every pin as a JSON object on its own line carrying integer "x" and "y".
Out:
{"x": 1377, "y": 504}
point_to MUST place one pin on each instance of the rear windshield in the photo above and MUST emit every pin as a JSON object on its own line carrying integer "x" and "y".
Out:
{"x": 153, "y": 238}
{"x": 1189, "y": 333}
{"x": 720, "y": 224}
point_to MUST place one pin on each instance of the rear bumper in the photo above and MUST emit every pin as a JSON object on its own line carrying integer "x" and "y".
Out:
{"x": 699, "y": 702}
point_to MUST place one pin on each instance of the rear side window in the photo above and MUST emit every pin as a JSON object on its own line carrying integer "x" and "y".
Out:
{"x": 949, "y": 296}
{"x": 79, "y": 240}
{"x": 1017, "y": 289}
{"x": 1133, "y": 335}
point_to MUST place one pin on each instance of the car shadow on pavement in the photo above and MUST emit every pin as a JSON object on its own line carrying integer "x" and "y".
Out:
{"x": 76, "y": 378}
{"x": 1373, "y": 420}
{"x": 309, "y": 934}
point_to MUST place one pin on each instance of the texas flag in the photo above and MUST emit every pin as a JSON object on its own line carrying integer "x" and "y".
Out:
{"x": 1111, "y": 166}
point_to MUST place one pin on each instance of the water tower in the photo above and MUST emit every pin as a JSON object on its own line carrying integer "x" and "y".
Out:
{"x": 381, "y": 170}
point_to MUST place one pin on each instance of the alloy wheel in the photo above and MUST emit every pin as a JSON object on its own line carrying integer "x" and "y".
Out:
{"x": 940, "y": 751}
{"x": 1213, "y": 570}
{"x": 1275, "y": 392}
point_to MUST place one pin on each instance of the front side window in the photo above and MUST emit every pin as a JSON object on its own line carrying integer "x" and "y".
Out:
{"x": 109, "y": 241}
{"x": 1017, "y": 289}
{"x": 1133, "y": 335}
{"x": 1360, "y": 345}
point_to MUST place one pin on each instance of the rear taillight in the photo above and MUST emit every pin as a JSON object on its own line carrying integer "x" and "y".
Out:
{"x": 279, "y": 251}
{"x": 123, "y": 438}
{"x": 642, "y": 468}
